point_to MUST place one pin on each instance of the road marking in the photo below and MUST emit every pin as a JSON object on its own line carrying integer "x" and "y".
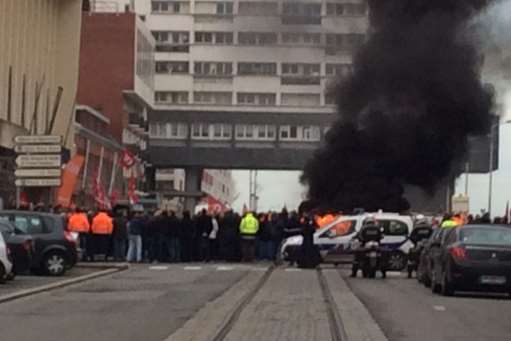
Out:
{"x": 292, "y": 269}
{"x": 225, "y": 268}
{"x": 192, "y": 268}
{"x": 439, "y": 308}
{"x": 394, "y": 274}
{"x": 158, "y": 267}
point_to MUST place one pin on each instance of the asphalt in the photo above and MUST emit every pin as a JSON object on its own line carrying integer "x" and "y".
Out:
{"x": 27, "y": 282}
{"x": 407, "y": 311}
{"x": 142, "y": 303}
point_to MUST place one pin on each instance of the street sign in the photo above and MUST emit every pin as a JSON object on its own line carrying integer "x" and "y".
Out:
{"x": 39, "y": 161}
{"x": 37, "y": 182}
{"x": 37, "y": 173}
{"x": 38, "y": 139}
{"x": 38, "y": 148}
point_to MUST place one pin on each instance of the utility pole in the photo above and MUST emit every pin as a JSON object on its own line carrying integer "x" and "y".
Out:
{"x": 253, "y": 187}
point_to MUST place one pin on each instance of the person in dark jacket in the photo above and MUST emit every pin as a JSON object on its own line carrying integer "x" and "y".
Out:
{"x": 264, "y": 237}
{"x": 174, "y": 237}
{"x": 308, "y": 257}
{"x": 189, "y": 234}
{"x": 120, "y": 235}
{"x": 204, "y": 227}
{"x": 229, "y": 236}
{"x": 136, "y": 228}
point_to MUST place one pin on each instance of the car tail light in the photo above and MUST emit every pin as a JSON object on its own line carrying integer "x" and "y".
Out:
{"x": 458, "y": 253}
{"x": 70, "y": 237}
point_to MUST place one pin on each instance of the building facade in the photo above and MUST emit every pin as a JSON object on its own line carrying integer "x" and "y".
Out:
{"x": 116, "y": 83}
{"x": 250, "y": 56}
{"x": 39, "y": 52}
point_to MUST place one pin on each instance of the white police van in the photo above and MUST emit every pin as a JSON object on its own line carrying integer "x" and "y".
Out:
{"x": 335, "y": 239}
{"x": 5, "y": 261}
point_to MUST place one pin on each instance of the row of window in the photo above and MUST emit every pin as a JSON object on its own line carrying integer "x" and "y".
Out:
{"x": 177, "y": 40}
{"x": 220, "y": 131}
{"x": 243, "y": 98}
{"x": 253, "y": 69}
{"x": 308, "y": 12}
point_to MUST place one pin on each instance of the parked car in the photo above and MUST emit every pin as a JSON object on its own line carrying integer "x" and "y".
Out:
{"x": 5, "y": 260}
{"x": 430, "y": 250}
{"x": 55, "y": 249}
{"x": 20, "y": 246}
{"x": 335, "y": 239}
{"x": 473, "y": 257}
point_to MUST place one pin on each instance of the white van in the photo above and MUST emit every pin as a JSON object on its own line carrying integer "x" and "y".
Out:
{"x": 5, "y": 263}
{"x": 335, "y": 239}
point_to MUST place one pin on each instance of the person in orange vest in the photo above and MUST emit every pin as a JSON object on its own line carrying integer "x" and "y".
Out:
{"x": 102, "y": 228}
{"x": 79, "y": 223}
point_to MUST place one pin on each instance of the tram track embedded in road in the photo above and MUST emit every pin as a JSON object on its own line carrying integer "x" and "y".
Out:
{"x": 235, "y": 315}
{"x": 337, "y": 331}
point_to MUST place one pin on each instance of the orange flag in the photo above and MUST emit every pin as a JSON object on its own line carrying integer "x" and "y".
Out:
{"x": 69, "y": 177}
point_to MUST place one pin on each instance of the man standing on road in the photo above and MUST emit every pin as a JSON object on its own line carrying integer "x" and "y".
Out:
{"x": 135, "y": 229}
{"x": 248, "y": 230}
{"x": 204, "y": 226}
{"x": 79, "y": 223}
{"x": 102, "y": 228}
{"x": 120, "y": 235}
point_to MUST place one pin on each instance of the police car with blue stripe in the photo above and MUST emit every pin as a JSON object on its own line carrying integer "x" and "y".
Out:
{"x": 336, "y": 240}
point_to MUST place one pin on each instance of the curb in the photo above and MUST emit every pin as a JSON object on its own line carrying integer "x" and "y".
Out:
{"x": 102, "y": 265}
{"x": 60, "y": 284}
{"x": 357, "y": 321}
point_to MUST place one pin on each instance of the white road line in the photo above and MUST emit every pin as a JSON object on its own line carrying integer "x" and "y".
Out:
{"x": 439, "y": 308}
{"x": 158, "y": 267}
{"x": 292, "y": 269}
{"x": 193, "y": 268}
{"x": 225, "y": 268}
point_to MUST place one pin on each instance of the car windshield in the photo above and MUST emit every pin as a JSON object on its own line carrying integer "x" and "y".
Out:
{"x": 6, "y": 230}
{"x": 486, "y": 235}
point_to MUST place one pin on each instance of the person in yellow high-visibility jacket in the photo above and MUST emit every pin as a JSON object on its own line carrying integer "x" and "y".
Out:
{"x": 248, "y": 230}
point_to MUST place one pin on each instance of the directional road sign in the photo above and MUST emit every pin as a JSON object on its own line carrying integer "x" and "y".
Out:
{"x": 38, "y": 148}
{"x": 38, "y": 173}
{"x": 37, "y": 182}
{"x": 39, "y": 161}
{"x": 38, "y": 139}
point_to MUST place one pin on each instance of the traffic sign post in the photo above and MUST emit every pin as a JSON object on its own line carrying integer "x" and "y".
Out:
{"x": 38, "y": 148}
{"x": 38, "y": 182}
{"x": 38, "y": 139}
{"x": 34, "y": 173}
{"x": 39, "y": 161}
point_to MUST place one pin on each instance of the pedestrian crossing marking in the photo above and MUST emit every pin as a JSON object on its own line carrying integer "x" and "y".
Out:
{"x": 225, "y": 268}
{"x": 193, "y": 268}
{"x": 439, "y": 308}
{"x": 158, "y": 267}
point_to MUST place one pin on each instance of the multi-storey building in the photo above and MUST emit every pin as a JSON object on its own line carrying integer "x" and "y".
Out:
{"x": 39, "y": 50}
{"x": 262, "y": 56}
{"x": 242, "y": 84}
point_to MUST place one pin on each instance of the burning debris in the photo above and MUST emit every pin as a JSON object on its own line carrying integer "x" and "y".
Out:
{"x": 406, "y": 111}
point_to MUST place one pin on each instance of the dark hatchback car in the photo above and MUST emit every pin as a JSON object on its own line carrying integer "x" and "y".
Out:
{"x": 473, "y": 257}
{"x": 20, "y": 247}
{"x": 55, "y": 249}
{"x": 430, "y": 250}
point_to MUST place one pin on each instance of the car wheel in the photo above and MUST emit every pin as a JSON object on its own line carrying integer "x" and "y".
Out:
{"x": 11, "y": 276}
{"x": 396, "y": 261}
{"x": 54, "y": 263}
{"x": 447, "y": 286}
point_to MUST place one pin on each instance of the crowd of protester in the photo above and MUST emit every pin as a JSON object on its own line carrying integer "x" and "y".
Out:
{"x": 164, "y": 237}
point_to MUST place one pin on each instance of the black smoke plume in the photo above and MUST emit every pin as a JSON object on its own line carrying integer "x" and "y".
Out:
{"x": 406, "y": 111}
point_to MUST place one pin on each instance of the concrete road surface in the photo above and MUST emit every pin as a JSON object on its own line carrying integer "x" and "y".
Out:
{"x": 142, "y": 303}
{"x": 407, "y": 311}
